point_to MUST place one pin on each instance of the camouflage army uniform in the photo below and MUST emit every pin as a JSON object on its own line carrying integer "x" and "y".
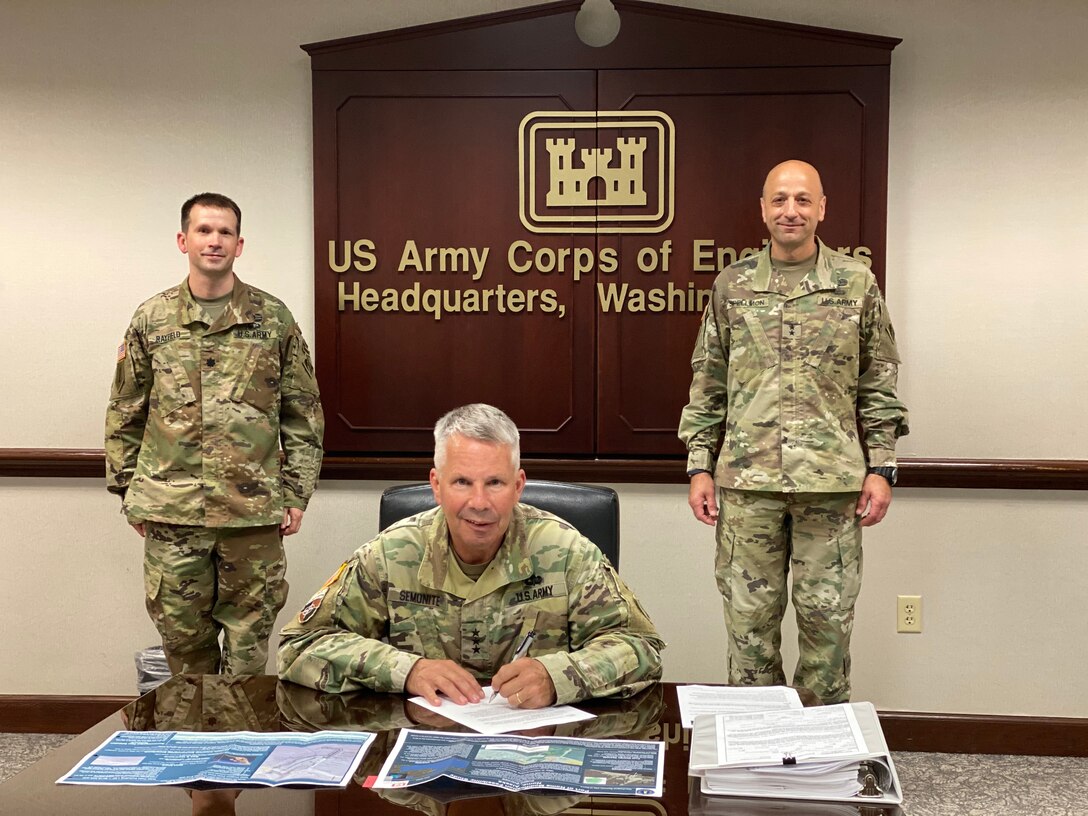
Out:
{"x": 785, "y": 380}
{"x": 212, "y": 429}
{"x": 402, "y": 597}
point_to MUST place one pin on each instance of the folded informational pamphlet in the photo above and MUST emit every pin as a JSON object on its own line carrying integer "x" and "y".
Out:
{"x": 235, "y": 759}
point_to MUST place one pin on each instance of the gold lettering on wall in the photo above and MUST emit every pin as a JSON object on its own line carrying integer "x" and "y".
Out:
{"x": 522, "y": 259}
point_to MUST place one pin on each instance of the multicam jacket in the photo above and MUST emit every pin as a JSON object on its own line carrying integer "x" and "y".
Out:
{"x": 785, "y": 379}
{"x": 199, "y": 412}
{"x": 394, "y": 602}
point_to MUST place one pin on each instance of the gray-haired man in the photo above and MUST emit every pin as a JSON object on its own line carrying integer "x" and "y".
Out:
{"x": 442, "y": 600}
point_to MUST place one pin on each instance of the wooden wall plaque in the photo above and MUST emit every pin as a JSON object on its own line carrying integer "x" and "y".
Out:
{"x": 505, "y": 214}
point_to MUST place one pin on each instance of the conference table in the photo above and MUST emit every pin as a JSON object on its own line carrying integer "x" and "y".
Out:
{"x": 264, "y": 703}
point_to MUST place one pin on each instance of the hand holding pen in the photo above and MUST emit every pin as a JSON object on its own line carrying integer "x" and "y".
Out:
{"x": 524, "y": 683}
{"x": 521, "y": 651}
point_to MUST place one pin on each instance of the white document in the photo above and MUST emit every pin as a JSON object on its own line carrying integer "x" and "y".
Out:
{"x": 499, "y": 717}
{"x": 696, "y": 700}
{"x": 823, "y": 779}
{"x": 767, "y": 737}
{"x": 830, "y": 745}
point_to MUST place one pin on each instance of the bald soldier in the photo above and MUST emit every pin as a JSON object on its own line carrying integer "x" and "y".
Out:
{"x": 442, "y": 600}
{"x": 213, "y": 441}
{"x": 794, "y": 374}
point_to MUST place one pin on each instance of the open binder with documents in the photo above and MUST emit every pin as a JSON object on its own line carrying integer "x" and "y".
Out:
{"x": 828, "y": 753}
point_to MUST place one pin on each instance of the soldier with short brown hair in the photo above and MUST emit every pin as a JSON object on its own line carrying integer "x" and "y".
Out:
{"x": 213, "y": 441}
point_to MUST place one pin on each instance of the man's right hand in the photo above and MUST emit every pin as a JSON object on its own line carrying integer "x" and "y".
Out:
{"x": 138, "y": 526}
{"x": 703, "y": 498}
{"x": 429, "y": 678}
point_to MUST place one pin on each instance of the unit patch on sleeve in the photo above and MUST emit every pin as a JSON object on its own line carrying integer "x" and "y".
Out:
{"x": 313, "y": 605}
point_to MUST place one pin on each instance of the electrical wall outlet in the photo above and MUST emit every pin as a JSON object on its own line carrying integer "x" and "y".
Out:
{"x": 909, "y": 617}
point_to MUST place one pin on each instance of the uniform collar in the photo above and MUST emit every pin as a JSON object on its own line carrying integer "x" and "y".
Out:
{"x": 510, "y": 564}
{"x": 821, "y": 278}
{"x": 243, "y": 308}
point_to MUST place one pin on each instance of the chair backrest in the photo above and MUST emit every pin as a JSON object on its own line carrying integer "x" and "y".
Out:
{"x": 594, "y": 511}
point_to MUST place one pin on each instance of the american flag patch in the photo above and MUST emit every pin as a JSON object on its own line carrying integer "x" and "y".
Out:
{"x": 122, "y": 350}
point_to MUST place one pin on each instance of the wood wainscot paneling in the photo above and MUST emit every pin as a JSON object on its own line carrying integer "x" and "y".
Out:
{"x": 55, "y": 714}
{"x": 970, "y": 474}
{"x": 985, "y": 734}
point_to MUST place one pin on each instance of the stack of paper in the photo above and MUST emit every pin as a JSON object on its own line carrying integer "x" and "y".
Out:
{"x": 696, "y": 700}
{"x": 820, "y": 779}
{"x": 830, "y": 753}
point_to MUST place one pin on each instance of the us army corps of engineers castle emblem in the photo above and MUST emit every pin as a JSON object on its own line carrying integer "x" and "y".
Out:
{"x": 596, "y": 171}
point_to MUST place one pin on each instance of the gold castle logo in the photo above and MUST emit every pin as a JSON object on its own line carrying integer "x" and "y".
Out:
{"x": 622, "y": 184}
{"x": 573, "y": 161}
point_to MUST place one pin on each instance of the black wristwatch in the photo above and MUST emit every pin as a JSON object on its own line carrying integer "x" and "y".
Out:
{"x": 889, "y": 473}
{"x": 693, "y": 471}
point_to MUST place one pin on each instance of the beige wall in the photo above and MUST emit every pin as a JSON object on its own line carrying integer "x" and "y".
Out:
{"x": 114, "y": 112}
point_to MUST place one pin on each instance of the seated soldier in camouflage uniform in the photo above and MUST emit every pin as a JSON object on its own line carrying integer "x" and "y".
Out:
{"x": 441, "y": 600}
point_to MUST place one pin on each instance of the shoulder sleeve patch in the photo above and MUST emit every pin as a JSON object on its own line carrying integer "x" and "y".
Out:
{"x": 313, "y": 605}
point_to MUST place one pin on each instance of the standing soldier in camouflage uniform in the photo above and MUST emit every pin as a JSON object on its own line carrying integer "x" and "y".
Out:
{"x": 441, "y": 600}
{"x": 213, "y": 439}
{"x": 795, "y": 355}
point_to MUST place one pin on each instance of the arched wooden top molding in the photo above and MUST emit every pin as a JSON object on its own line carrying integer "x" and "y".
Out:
{"x": 651, "y": 36}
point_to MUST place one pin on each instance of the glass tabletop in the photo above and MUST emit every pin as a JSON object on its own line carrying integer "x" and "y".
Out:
{"x": 263, "y": 703}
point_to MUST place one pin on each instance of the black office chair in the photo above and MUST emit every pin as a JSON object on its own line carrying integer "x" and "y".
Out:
{"x": 594, "y": 511}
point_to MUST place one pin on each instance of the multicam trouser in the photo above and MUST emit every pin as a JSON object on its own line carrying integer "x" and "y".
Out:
{"x": 761, "y": 537}
{"x": 201, "y": 581}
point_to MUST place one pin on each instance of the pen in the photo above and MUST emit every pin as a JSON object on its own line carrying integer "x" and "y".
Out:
{"x": 520, "y": 651}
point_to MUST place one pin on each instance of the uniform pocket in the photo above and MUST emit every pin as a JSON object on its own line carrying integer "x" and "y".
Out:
{"x": 412, "y": 629}
{"x": 152, "y": 581}
{"x": 835, "y": 349}
{"x": 275, "y": 587}
{"x": 850, "y": 556}
{"x": 551, "y": 630}
{"x": 750, "y": 349}
{"x": 152, "y": 591}
{"x": 125, "y": 382}
{"x": 172, "y": 388}
{"x": 259, "y": 383}
{"x": 829, "y": 577}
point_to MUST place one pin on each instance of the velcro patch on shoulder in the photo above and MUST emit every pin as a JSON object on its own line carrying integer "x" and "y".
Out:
{"x": 122, "y": 352}
{"x": 313, "y": 605}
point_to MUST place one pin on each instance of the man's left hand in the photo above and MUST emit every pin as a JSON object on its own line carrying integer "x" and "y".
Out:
{"x": 875, "y": 499}
{"x": 292, "y": 520}
{"x": 525, "y": 684}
